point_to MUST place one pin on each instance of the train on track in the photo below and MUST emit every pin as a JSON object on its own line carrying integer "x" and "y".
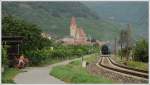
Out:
{"x": 105, "y": 49}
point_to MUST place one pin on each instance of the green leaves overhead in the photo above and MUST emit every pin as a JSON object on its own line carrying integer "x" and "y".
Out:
{"x": 31, "y": 33}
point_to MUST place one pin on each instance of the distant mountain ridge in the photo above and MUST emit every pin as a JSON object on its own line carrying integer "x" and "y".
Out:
{"x": 54, "y": 17}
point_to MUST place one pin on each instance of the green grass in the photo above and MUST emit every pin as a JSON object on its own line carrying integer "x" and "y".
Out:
{"x": 9, "y": 74}
{"x": 138, "y": 65}
{"x": 91, "y": 58}
{"x": 49, "y": 61}
{"x": 132, "y": 64}
{"x": 74, "y": 73}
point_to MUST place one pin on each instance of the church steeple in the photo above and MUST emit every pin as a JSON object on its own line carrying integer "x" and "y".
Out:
{"x": 73, "y": 22}
{"x": 73, "y": 26}
{"x": 75, "y": 32}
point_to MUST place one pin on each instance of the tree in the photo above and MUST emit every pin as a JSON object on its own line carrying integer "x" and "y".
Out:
{"x": 122, "y": 42}
{"x": 33, "y": 40}
{"x": 129, "y": 42}
{"x": 141, "y": 50}
{"x": 125, "y": 42}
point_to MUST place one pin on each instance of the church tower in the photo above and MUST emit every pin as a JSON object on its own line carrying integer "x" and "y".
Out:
{"x": 77, "y": 34}
{"x": 73, "y": 27}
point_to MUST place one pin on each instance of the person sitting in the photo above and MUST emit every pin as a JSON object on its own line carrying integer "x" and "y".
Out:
{"x": 21, "y": 62}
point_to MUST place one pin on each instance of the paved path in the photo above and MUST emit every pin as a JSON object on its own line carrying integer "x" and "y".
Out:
{"x": 39, "y": 75}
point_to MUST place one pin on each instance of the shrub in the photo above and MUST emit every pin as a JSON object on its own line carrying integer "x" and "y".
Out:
{"x": 38, "y": 57}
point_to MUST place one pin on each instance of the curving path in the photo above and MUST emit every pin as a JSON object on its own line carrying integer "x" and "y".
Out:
{"x": 39, "y": 75}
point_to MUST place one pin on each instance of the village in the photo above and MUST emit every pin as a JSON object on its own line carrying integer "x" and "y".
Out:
{"x": 77, "y": 36}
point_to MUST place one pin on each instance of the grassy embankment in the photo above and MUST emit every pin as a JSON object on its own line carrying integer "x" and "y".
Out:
{"x": 132, "y": 64}
{"x": 9, "y": 74}
{"x": 74, "y": 73}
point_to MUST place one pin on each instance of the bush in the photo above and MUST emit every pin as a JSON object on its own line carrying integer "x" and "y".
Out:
{"x": 9, "y": 74}
{"x": 60, "y": 52}
{"x": 38, "y": 57}
{"x": 4, "y": 56}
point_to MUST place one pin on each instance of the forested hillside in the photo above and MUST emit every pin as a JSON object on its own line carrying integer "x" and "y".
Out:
{"x": 135, "y": 13}
{"x": 54, "y": 17}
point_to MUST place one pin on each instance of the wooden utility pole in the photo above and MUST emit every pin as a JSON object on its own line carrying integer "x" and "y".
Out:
{"x": 129, "y": 41}
{"x": 115, "y": 47}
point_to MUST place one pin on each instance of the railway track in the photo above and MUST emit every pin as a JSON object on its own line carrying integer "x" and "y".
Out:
{"x": 108, "y": 63}
{"x": 122, "y": 66}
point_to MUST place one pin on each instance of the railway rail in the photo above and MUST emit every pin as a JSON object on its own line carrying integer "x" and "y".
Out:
{"x": 122, "y": 66}
{"x": 108, "y": 63}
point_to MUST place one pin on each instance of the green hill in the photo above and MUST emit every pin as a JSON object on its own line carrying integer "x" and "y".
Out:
{"x": 135, "y": 13}
{"x": 54, "y": 17}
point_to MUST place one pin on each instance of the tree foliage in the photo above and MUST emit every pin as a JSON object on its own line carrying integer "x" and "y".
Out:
{"x": 31, "y": 33}
{"x": 141, "y": 50}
